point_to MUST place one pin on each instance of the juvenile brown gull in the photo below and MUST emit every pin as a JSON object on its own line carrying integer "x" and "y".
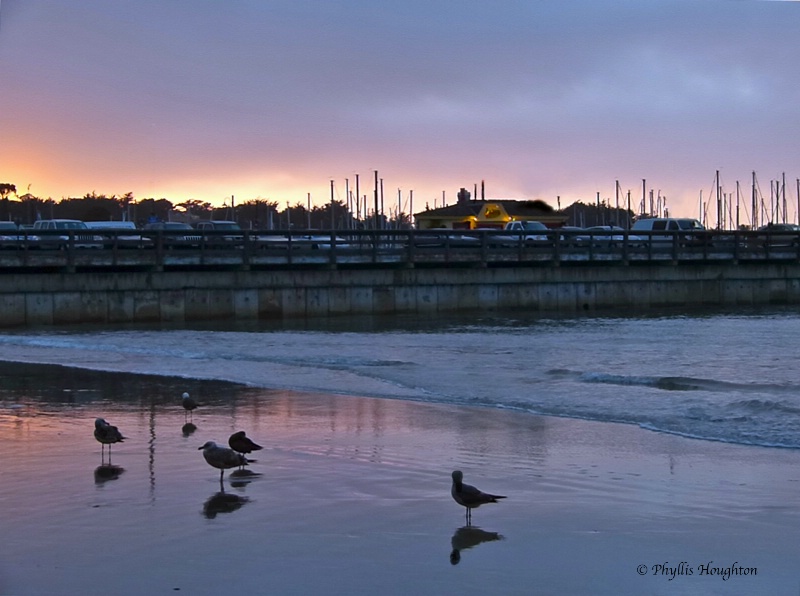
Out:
{"x": 239, "y": 441}
{"x": 106, "y": 434}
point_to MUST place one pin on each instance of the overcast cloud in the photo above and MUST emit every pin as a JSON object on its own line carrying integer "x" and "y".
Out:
{"x": 205, "y": 99}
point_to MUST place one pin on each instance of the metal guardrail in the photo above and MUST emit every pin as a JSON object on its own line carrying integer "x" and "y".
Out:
{"x": 67, "y": 250}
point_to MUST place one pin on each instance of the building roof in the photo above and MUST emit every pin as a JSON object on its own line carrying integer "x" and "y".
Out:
{"x": 513, "y": 207}
{"x": 489, "y": 214}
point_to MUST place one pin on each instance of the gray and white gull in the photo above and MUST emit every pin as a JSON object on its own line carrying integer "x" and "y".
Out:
{"x": 222, "y": 458}
{"x": 188, "y": 403}
{"x": 468, "y": 496}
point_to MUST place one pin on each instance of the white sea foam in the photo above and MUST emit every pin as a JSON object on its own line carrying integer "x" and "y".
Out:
{"x": 723, "y": 378}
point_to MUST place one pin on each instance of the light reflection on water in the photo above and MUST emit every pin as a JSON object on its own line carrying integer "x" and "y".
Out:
{"x": 341, "y": 481}
{"x": 728, "y": 377}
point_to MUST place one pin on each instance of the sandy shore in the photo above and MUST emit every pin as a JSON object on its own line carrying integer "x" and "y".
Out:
{"x": 351, "y": 496}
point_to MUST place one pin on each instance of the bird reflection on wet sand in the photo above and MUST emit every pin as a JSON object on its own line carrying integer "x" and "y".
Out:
{"x": 188, "y": 428}
{"x": 467, "y": 537}
{"x": 222, "y": 502}
{"x": 241, "y": 478}
{"x": 106, "y": 472}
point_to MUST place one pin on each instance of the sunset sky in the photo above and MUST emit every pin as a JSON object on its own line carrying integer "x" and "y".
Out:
{"x": 203, "y": 99}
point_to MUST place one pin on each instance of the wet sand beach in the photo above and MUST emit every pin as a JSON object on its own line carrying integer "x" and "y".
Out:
{"x": 351, "y": 495}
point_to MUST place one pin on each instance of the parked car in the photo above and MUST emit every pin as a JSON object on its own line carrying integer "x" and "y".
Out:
{"x": 229, "y": 231}
{"x": 175, "y": 234}
{"x": 607, "y": 236}
{"x": 300, "y": 240}
{"x": 663, "y": 230}
{"x": 530, "y": 233}
{"x": 441, "y": 237}
{"x": 124, "y": 233}
{"x": 9, "y": 235}
{"x": 776, "y": 235}
{"x": 82, "y": 237}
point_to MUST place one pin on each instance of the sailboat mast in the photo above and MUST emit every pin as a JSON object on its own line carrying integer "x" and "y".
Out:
{"x": 348, "y": 203}
{"x": 358, "y": 200}
{"x": 333, "y": 218}
{"x": 783, "y": 193}
{"x": 644, "y": 196}
{"x": 720, "y": 214}
{"x": 375, "y": 225}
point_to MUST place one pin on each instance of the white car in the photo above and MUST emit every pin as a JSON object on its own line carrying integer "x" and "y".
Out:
{"x": 664, "y": 230}
{"x": 530, "y": 233}
{"x": 57, "y": 234}
{"x": 124, "y": 233}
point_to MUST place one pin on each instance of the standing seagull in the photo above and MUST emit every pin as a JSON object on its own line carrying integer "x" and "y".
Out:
{"x": 469, "y": 496}
{"x": 188, "y": 403}
{"x": 107, "y": 435}
{"x": 241, "y": 443}
{"x": 222, "y": 458}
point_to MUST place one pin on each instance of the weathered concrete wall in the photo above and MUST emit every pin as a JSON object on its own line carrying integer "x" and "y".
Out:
{"x": 64, "y": 298}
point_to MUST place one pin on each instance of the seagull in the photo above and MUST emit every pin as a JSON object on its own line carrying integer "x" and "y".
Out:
{"x": 188, "y": 403}
{"x": 241, "y": 443}
{"x": 106, "y": 434}
{"x": 469, "y": 496}
{"x": 222, "y": 458}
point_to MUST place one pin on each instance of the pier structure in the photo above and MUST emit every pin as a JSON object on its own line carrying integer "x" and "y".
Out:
{"x": 382, "y": 273}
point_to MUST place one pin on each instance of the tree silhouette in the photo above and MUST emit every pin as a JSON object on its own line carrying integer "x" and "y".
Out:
{"x": 6, "y": 189}
{"x": 201, "y": 209}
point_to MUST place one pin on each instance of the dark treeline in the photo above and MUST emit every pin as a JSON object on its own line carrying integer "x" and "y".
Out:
{"x": 584, "y": 215}
{"x": 252, "y": 214}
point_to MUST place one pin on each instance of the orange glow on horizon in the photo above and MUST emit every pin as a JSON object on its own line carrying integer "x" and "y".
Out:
{"x": 292, "y": 187}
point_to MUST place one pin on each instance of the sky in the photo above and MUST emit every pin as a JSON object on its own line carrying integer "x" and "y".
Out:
{"x": 551, "y": 100}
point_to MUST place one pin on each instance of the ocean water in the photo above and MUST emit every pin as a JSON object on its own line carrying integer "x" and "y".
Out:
{"x": 731, "y": 377}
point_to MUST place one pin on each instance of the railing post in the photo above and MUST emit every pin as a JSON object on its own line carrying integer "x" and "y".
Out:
{"x": 70, "y": 250}
{"x": 625, "y": 247}
{"x": 247, "y": 247}
{"x": 160, "y": 250}
{"x": 410, "y": 247}
{"x": 556, "y": 249}
{"x": 675, "y": 243}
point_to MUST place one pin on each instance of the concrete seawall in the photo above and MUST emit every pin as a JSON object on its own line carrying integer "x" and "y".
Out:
{"x": 108, "y": 297}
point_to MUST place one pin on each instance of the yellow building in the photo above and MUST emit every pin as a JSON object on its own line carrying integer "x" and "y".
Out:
{"x": 491, "y": 214}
